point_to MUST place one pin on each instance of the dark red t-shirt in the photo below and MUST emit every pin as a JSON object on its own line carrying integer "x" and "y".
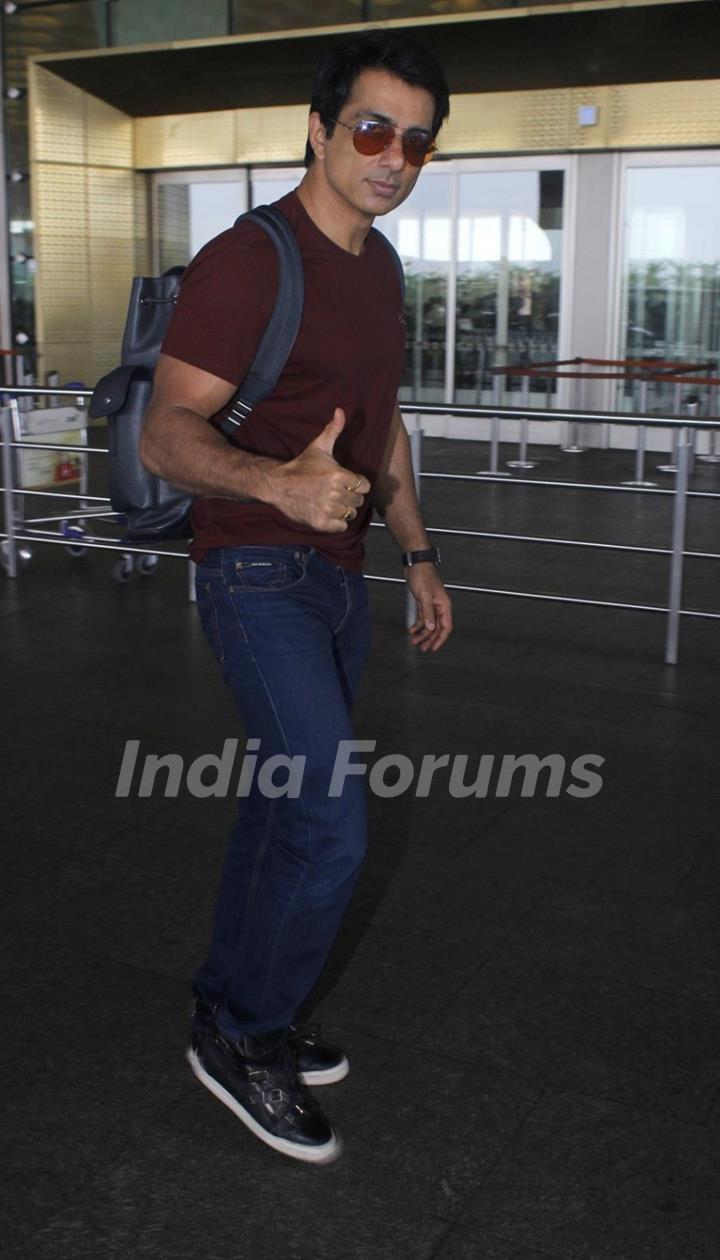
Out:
{"x": 348, "y": 353}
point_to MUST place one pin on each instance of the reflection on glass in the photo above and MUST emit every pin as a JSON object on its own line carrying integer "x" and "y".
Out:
{"x": 154, "y": 21}
{"x": 188, "y": 215}
{"x": 250, "y": 16}
{"x": 509, "y": 251}
{"x": 420, "y": 230}
{"x": 671, "y": 281}
{"x": 269, "y": 186}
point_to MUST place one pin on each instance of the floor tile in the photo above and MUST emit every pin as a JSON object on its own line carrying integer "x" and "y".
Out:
{"x": 596, "y": 1180}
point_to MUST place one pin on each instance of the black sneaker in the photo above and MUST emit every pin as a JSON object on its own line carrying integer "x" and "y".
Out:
{"x": 318, "y": 1062}
{"x": 257, "y": 1079}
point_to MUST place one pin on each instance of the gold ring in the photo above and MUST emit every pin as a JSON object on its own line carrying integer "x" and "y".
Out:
{"x": 352, "y": 489}
{"x": 348, "y": 514}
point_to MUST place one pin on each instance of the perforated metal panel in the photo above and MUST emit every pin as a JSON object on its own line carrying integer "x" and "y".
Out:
{"x": 271, "y": 135}
{"x": 664, "y": 114}
{"x": 111, "y": 248}
{"x": 58, "y": 119}
{"x": 60, "y": 209}
{"x": 185, "y": 140}
{"x": 109, "y": 135}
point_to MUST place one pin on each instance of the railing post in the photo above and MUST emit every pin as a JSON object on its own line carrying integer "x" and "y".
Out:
{"x": 677, "y": 549}
{"x": 494, "y": 469}
{"x": 639, "y": 479}
{"x": 672, "y": 467}
{"x": 572, "y": 445}
{"x": 713, "y": 454}
{"x": 522, "y": 460}
{"x": 11, "y": 556}
{"x": 416, "y": 437}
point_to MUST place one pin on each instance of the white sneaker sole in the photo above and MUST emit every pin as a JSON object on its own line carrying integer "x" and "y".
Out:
{"x": 329, "y": 1077}
{"x": 310, "y": 1154}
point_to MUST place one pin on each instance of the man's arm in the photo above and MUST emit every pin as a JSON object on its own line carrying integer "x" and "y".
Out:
{"x": 179, "y": 444}
{"x": 397, "y": 502}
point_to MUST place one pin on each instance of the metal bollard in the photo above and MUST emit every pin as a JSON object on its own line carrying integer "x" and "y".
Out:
{"x": 572, "y": 445}
{"x": 672, "y": 467}
{"x": 713, "y": 455}
{"x": 522, "y": 461}
{"x": 639, "y": 479}
{"x": 494, "y": 470}
{"x": 416, "y": 438}
{"x": 677, "y": 549}
{"x": 10, "y": 556}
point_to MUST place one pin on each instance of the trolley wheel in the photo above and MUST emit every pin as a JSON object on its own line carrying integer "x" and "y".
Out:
{"x": 147, "y": 565}
{"x": 24, "y": 555}
{"x": 70, "y": 530}
{"x": 122, "y": 570}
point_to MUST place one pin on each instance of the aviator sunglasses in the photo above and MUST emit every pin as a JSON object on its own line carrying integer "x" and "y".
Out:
{"x": 371, "y": 137}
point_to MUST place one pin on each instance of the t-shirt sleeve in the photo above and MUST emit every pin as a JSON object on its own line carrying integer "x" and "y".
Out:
{"x": 227, "y": 296}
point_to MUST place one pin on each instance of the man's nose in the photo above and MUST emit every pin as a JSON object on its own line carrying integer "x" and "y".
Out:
{"x": 393, "y": 155}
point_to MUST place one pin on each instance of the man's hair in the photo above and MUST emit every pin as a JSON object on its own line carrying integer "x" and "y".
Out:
{"x": 407, "y": 59}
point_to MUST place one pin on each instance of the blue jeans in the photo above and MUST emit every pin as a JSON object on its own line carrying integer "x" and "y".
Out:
{"x": 292, "y": 632}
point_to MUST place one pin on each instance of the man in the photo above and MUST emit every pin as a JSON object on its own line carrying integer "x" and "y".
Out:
{"x": 278, "y": 528}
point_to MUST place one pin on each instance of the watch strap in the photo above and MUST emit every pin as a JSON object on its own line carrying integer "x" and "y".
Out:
{"x": 430, "y": 555}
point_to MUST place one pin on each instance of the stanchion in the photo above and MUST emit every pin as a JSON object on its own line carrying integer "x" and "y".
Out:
{"x": 10, "y": 554}
{"x": 572, "y": 446}
{"x": 494, "y": 469}
{"x": 639, "y": 479}
{"x": 416, "y": 437}
{"x": 672, "y": 467}
{"x": 522, "y": 460}
{"x": 713, "y": 455}
{"x": 192, "y": 593}
{"x": 677, "y": 549}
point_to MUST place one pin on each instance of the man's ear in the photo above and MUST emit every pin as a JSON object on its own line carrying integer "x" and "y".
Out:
{"x": 316, "y": 135}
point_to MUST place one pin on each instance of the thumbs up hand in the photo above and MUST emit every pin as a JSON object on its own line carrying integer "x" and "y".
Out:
{"x": 313, "y": 489}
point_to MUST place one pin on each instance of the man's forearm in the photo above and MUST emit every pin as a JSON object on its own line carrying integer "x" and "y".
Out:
{"x": 395, "y": 497}
{"x": 187, "y": 451}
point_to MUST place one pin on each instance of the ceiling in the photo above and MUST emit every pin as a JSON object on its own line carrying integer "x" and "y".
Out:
{"x": 579, "y": 47}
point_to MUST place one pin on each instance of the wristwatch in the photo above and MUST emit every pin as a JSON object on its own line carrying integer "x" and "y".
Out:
{"x": 431, "y": 555}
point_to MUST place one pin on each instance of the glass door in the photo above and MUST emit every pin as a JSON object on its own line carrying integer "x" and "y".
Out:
{"x": 484, "y": 246}
{"x": 670, "y": 306}
{"x": 421, "y": 231}
{"x": 191, "y": 207}
{"x": 509, "y": 267}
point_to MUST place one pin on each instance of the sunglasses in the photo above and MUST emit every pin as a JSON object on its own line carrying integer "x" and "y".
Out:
{"x": 371, "y": 137}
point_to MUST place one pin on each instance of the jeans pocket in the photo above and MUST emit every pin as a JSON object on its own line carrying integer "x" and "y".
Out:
{"x": 262, "y": 572}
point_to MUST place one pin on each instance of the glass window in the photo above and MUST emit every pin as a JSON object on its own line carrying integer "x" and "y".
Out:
{"x": 249, "y": 16}
{"x": 267, "y": 186}
{"x": 421, "y": 232}
{"x": 155, "y": 21}
{"x": 189, "y": 213}
{"x": 509, "y": 263}
{"x": 671, "y": 274}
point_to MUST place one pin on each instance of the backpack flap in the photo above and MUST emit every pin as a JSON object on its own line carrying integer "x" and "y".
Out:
{"x": 111, "y": 391}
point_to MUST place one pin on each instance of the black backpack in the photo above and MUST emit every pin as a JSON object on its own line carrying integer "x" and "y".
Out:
{"x": 154, "y": 509}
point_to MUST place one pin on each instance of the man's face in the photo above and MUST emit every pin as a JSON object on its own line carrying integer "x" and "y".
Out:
{"x": 377, "y": 184}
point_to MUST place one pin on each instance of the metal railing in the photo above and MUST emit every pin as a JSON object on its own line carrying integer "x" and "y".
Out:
{"x": 683, "y": 427}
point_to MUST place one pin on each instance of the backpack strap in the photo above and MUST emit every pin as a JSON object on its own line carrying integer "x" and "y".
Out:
{"x": 396, "y": 259}
{"x": 282, "y": 329}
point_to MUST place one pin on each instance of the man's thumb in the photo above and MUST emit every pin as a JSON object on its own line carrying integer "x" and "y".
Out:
{"x": 326, "y": 440}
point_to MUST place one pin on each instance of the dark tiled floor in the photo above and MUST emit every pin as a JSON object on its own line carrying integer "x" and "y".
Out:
{"x": 528, "y": 988}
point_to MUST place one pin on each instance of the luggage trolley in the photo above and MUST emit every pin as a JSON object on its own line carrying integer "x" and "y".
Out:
{"x": 45, "y": 471}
